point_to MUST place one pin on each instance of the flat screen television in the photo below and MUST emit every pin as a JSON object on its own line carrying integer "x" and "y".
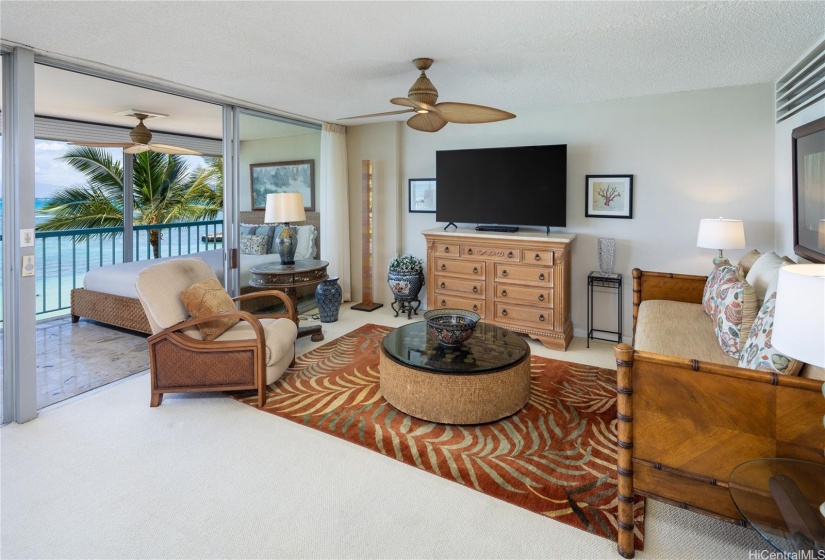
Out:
{"x": 519, "y": 186}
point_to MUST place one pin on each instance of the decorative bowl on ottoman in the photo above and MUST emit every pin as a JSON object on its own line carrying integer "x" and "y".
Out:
{"x": 451, "y": 327}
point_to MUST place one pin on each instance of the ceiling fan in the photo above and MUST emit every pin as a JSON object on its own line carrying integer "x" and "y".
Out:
{"x": 141, "y": 136}
{"x": 431, "y": 116}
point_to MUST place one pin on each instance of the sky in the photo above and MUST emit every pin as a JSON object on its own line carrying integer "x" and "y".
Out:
{"x": 52, "y": 174}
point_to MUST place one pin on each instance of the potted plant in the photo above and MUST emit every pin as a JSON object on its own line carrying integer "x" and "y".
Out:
{"x": 405, "y": 277}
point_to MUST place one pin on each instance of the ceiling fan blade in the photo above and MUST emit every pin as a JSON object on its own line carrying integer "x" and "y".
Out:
{"x": 379, "y": 114}
{"x": 467, "y": 113}
{"x": 136, "y": 149}
{"x": 174, "y": 150}
{"x": 411, "y": 103}
{"x": 426, "y": 122}
{"x": 102, "y": 144}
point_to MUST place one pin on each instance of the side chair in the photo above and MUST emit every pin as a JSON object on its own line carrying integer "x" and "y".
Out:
{"x": 251, "y": 354}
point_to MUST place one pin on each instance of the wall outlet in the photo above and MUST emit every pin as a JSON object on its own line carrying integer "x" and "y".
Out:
{"x": 27, "y": 238}
{"x": 28, "y": 266}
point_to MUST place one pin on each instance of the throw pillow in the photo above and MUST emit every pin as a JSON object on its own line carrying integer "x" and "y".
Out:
{"x": 747, "y": 260}
{"x": 209, "y": 298}
{"x": 253, "y": 244}
{"x": 720, "y": 271}
{"x": 758, "y": 353}
{"x": 734, "y": 313}
{"x": 764, "y": 272}
{"x": 306, "y": 242}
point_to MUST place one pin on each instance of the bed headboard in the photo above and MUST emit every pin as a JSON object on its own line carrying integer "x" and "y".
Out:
{"x": 313, "y": 218}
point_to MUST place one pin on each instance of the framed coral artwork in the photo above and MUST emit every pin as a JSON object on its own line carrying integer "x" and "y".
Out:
{"x": 608, "y": 196}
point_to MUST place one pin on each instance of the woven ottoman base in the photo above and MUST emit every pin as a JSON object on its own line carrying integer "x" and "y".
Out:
{"x": 453, "y": 398}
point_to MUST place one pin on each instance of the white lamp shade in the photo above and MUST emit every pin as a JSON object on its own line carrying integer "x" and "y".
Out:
{"x": 719, "y": 233}
{"x": 799, "y": 317}
{"x": 284, "y": 208}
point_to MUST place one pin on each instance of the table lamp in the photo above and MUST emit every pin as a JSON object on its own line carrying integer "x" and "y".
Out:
{"x": 283, "y": 208}
{"x": 799, "y": 315}
{"x": 719, "y": 234}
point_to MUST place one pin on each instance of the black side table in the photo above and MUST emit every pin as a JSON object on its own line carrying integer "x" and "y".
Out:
{"x": 611, "y": 281}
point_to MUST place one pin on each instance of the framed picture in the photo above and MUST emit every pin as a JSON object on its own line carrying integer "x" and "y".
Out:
{"x": 422, "y": 195}
{"x": 809, "y": 190}
{"x": 280, "y": 177}
{"x": 608, "y": 196}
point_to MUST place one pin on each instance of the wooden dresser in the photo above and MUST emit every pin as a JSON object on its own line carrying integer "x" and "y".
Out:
{"x": 520, "y": 281}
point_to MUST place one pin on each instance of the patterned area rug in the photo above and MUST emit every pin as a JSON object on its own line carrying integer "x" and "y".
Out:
{"x": 555, "y": 457}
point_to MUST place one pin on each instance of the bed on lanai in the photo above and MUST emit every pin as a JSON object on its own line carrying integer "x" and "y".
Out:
{"x": 108, "y": 293}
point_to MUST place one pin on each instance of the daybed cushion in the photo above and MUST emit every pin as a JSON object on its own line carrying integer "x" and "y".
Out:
{"x": 674, "y": 328}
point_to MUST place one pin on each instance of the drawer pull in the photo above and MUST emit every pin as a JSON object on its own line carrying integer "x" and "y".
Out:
{"x": 503, "y": 293}
{"x": 541, "y": 318}
{"x": 510, "y": 255}
{"x": 443, "y": 266}
{"x": 541, "y": 296}
{"x": 469, "y": 251}
{"x": 443, "y": 285}
{"x": 475, "y": 270}
{"x": 541, "y": 276}
{"x": 504, "y": 312}
{"x": 537, "y": 257}
{"x": 475, "y": 289}
{"x": 446, "y": 249}
{"x": 475, "y": 307}
{"x": 443, "y": 303}
{"x": 504, "y": 273}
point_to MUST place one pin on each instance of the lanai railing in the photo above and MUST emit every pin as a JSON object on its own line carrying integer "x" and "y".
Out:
{"x": 62, "y": 258}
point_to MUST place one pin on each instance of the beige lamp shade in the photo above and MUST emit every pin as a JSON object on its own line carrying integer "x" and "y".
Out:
{"x": 719, "y": 233}
{"x": 799, "y": 317}
{"x": 284, "y": 208}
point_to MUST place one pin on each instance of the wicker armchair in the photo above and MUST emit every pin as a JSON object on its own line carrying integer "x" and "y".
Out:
{"x": 250, "y": 355}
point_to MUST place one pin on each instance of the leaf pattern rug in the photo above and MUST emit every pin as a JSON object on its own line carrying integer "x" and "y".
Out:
{"x": 556, "y": 457}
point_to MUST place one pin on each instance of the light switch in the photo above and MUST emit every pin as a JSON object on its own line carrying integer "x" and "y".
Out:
{"x": 28, "y": 266}
{"x": 27, "y": 238}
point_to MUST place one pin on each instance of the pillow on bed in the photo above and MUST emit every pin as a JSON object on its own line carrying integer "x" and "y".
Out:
{"x": 254, "y": 244}
{"x": 269, "y": 231}
{"x": 306, "y": 241}
{"x": 209, "y": 298}
{"x": 734, "y": 313}
{"x": 758, "y": 353}
{"x": 721, "y": 272}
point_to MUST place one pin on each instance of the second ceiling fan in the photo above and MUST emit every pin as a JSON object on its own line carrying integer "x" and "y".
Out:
{"x": 141, "y": 138}
{"x": 432, "y": 116}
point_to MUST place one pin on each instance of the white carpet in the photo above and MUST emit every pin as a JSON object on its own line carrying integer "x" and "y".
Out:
{"x": 104, "y": 475}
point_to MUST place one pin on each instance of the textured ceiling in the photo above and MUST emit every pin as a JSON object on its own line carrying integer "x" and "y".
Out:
{"x": 327, "y": 60}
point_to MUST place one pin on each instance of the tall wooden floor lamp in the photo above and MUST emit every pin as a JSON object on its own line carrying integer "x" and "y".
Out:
{"x": 366, "y": 240}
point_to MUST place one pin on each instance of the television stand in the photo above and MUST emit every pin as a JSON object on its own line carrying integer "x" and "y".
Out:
{"x": 450, "y": 224}
{"x": 505, "y": 229}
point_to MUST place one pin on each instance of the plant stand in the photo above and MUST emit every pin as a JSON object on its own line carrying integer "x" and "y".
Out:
{"x": 406, "y": 305}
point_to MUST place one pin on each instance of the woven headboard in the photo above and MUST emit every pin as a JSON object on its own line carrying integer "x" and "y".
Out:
{"x": 313, "y": 218}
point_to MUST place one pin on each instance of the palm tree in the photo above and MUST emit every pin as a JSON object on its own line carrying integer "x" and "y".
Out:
{"x": 164, "y": 188}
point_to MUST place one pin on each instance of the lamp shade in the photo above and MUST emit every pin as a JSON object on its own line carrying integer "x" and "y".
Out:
{"x": 799, "y": 317}
{"x": 284, "y": 208}
{"x": 719, "y": 233}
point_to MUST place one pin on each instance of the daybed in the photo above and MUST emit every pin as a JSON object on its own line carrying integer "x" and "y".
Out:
{"x": 687, "y": 414}
{"x": 108, "y": 294}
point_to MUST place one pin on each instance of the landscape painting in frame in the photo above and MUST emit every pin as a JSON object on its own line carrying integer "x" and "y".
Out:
{"x": 422, "y": 195}
{"x": 809, "y": 190}
{"x": 609, "y": 196}
{"x": 283, "y": 177}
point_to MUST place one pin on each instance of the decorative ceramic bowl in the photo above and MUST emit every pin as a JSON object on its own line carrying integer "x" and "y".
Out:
{"x": 451, "y": 327}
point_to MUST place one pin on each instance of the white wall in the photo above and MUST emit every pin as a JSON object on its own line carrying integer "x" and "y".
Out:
{"x": 783, "y": 201}
{"x": 289, "y": 148}
{"x": 693, "y": 155}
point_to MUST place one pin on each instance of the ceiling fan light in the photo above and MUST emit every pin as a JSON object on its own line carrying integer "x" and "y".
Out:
{"x": 421, "y": 111}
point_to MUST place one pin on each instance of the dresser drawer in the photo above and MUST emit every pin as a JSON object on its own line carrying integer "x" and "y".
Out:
{"x": 447, "y": 249}
{"x": 524, "y": 273}
{"x": 452, "y": 284}
{"x": 523, "y": 315}
{"x": 462, "y": 267}
{"x": 491, "y": 253}
{"x": 537, "y": 257}
{"x": 443, "y": 300}
{"x": 524, "y": 294}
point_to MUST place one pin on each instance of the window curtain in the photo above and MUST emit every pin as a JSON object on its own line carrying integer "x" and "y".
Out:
{"x": 335, "y": 205}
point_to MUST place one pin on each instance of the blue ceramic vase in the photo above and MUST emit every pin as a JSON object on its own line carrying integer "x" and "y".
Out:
{"x": 328, "y": 298}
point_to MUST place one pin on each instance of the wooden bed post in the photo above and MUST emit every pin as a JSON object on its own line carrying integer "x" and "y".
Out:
{"x": 624, "y": 443}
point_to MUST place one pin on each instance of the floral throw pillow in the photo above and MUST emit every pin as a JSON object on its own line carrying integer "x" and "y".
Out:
{"x": 721, "y": 271}
{"x": 758, "y": 352}
{"x": 734, "y": 313}
{"x": 253, "y": 244}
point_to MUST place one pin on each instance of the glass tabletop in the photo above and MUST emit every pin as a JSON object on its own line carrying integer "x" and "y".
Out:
{"x": 782, "y": 499}
{"x": 490, "y": 348}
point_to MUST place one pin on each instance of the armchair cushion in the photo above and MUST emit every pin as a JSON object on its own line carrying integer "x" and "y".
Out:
{"x": 280, "y": 340}
{"x": 207, "y": 298}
